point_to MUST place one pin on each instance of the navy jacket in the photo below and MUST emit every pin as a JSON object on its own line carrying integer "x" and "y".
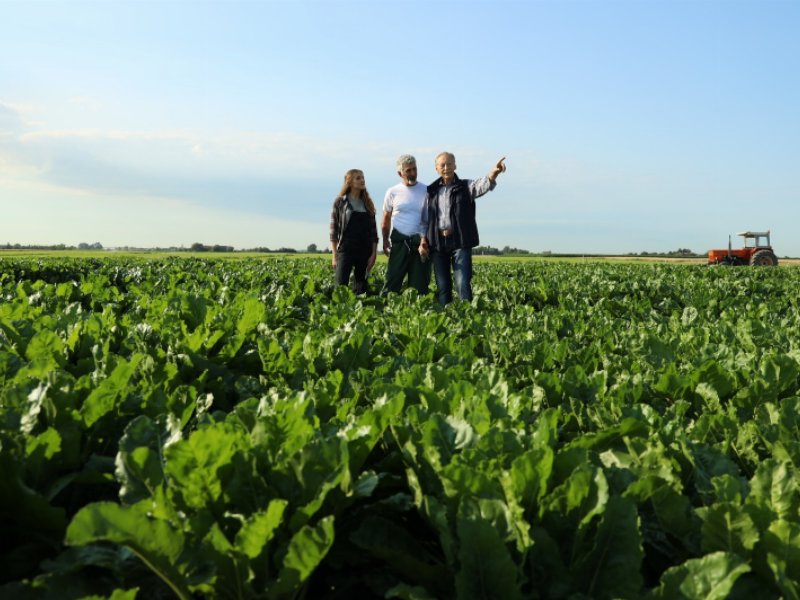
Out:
{"x": 462, "y": 214}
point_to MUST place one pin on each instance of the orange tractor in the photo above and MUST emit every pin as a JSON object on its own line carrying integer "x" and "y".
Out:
{"x": 757, "y": 251}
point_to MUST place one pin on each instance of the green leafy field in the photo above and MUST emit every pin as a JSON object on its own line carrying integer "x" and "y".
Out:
{"x": 243, "y": 429}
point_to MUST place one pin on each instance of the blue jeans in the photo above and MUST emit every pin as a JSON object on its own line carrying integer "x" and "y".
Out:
{"x": 460, "y": 259}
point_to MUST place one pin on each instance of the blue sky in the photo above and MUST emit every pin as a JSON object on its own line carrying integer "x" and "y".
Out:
{"x": 628, "y": 126}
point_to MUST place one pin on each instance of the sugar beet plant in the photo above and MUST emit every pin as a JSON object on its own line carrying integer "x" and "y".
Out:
{"x": 243, "y": 429}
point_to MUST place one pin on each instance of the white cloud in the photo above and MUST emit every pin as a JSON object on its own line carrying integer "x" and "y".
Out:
{"x": 50, "y": 215}
{"x": 208, "y": 166}
{"x": 15, "y": 111}
{"x": 86, "y": 103}
{"x": 236, "y": 170}
{"x": 230, "y": 152}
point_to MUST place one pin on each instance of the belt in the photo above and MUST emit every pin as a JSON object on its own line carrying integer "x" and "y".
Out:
{"x": 446, "y": 232}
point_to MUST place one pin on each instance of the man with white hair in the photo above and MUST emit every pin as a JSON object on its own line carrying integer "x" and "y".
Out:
{"x": 403, "y": 224}
{"x": 452, "y": 231}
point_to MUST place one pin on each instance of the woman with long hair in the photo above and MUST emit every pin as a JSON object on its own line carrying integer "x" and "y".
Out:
{"x": 354, "y": 236}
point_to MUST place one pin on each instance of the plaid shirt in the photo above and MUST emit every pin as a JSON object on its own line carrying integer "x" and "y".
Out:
{"x": 340, "y": 215}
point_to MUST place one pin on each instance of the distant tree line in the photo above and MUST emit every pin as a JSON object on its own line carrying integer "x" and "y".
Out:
{"x": 202, "y": 247}
{"x": 277, "y": 250}
{"x": 310, "y": 249}
{"x": 198, "y": 247}
{"x": 679, "y": 253}
{"x": 506, "y": 251}
{"x": 81, "y": 246}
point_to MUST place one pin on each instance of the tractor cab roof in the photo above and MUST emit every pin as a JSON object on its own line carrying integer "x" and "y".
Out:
{"x": 755, "y": 239}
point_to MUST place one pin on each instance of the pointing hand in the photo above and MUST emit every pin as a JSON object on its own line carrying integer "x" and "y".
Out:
{"x": 500, "y": 167}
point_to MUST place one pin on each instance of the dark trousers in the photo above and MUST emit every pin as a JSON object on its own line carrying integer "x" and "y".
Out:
{"x": 353, "y": 260}
{"x": 404, "y": 259}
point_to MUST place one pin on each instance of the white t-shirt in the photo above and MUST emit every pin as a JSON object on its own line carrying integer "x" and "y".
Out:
{"x": 406, "y": 205}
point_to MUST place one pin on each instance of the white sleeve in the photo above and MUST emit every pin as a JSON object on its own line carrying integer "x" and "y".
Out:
{"x": 388, "y": 204}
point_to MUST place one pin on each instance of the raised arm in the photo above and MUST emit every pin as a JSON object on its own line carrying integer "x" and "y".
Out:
{"x": 500, "y": 167}
{"x": 484, "y": 184}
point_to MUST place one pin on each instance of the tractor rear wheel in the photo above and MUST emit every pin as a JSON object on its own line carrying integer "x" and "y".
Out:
{"x": 764, "y": 258}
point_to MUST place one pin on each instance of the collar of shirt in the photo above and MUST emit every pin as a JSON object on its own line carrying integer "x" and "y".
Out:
{"x": 443, "y": 202}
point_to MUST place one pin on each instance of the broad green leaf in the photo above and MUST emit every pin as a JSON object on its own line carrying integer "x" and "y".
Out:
{"x": 611, "y": 436}
{"x": 775, "y": 490}
{"x": 672, "y": 383}
{"x": 366, "y": 483}
{"x": 609, "y": 563}
{"x": 709, "y": 396}
{"x": 486, "y": 568}
{"x": 529, "y": 476}
{"x": 368, "y": 428}
{"x": 582, "y": 496}
{"x": 216, "y": 570}
{"x": 461, "y": 478}
{"x": 781, "y": 371}
{"x": 578, "y": 384}
{"x": 36, "y": 399}
{"x": 286, "y": 425}
{"x": 713, "y": 375}
{"x": 307, "y": 549}
{"x": 10, "y": 363}
{"x": 194, "y": 309}
{"x": 201, "y": 468}
{"x": 709, "y": 463}
{"x": 259, "y": 529}
{"x": 253, "y": 313}
{"x": 442, "y": 437}
{"x": 672, "y": 511}
{"x": 157, "y": 543}
{"x": 546, "y": 428}
{"x": 43, "y": 446}
{"x": 492, "y": 511}
{"x": 728, "y": 488}
{"x": 710, "y": 577}
{"x": 519, "y": 524}
{"x": 727, "y": 527}
{"x": 321, "y": 467}
{"x": 105, "y": 397}
{"x": 46, "y": 345}
{"x": 657, "y": 351}
{"x": 124, "y": 594}
{"x": 139, "y": 467}
{"x": 782, "y": 545}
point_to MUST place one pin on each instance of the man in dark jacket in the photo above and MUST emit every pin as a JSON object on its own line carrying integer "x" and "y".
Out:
{"x": 452, "y": 230}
